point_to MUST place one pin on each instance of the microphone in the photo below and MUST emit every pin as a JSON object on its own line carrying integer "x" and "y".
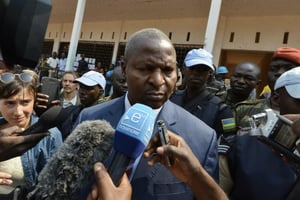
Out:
{"x": 49, "y": 119}
{"x": 132, "y": 135}
{"x": 71, "y": 167}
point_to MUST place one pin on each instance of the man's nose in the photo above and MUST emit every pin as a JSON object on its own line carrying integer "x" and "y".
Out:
{"x": 241, "y": 79}
{"x": 157, "y": 78}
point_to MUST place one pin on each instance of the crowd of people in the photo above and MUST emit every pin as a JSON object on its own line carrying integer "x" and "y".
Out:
{"x": 212, "y": 151}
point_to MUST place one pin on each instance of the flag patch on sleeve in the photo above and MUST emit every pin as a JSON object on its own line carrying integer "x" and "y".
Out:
{"x": 228, "y": 124}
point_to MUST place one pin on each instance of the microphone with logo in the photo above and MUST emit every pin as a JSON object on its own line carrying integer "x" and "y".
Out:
{"x": 49, "y": 119}
{"x": 132, "y": 135}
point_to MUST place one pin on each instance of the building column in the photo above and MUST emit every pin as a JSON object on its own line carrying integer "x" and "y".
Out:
{"x": 212, "y": 24}
{"x": 116, "y": 45}
{"x": 75, "y": 34}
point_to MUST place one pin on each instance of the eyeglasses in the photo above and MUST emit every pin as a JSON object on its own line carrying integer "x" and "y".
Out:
{"x": 8, "y": 77}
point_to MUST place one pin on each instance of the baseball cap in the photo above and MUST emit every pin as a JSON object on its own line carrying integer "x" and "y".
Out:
{"x": 199, "y": 57}
{"x": 288, "y": 53}
{"x": 291, "y": 81}
{"x": 91, "y": 78}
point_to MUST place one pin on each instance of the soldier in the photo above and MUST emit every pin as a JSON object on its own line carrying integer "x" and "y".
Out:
{"x": 284, "y": 58}
{"x": 249, "y": 169}
{"x": 197, "y": 99}
{"x": 244, "y": 79}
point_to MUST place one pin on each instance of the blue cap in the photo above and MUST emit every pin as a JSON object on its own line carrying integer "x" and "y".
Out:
{"x": 222, "y": 70}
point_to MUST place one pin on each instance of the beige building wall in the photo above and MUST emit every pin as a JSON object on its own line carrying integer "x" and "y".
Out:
{"x": 271, "y": 29}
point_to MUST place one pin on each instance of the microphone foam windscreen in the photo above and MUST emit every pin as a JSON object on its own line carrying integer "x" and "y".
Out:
{"x": 71, "y": 167}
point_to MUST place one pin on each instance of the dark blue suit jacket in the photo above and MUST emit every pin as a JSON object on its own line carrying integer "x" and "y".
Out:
{"x": 157, "y": 182}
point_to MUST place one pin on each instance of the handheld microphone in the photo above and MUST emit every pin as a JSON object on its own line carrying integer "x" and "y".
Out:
{"x": 71, "y": 167}
{"x": 49, "y": 119}
{"x": 132, "y": 135}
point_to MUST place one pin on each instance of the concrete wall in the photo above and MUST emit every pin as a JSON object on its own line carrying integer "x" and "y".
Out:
{"x": 271, "y": 28}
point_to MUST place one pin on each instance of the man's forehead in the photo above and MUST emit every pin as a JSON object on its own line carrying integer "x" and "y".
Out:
{"x": 165, "y": 43}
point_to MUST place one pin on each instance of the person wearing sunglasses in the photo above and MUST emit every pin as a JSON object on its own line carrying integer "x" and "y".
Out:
{"x": 17, "y": 96}
{"x": 11, "y": 143}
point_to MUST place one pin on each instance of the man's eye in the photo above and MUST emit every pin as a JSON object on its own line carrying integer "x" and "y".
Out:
{"x": 168, "y": 70}
{"x": 250, "y": 78}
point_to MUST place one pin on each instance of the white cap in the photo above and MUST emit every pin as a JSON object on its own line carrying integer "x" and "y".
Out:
{"x": 291, "y": 81}
{"x": 199, "y": 57}
{"x": 92, "y": 78}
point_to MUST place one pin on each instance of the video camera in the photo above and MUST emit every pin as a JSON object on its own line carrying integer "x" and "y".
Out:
{"x": 275, "y": 130}
{"x": 23, "y": 24}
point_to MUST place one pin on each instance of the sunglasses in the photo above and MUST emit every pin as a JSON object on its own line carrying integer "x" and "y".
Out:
{"x": 8, "y": 77}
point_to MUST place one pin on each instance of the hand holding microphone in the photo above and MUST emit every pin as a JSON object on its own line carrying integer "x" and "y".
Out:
{"x": 185, "y": 166}
{"x": 105, "y": 189}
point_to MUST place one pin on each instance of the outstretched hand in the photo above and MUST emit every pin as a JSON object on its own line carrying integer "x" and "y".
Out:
{"x": 184, "y": 164}
{"x": 13, "y": 144}
{"x": 105, "y": 189}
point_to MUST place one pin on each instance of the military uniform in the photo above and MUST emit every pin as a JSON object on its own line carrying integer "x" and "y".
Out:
{"x": 245, "y": 109}
{"x": 231, "y": 101}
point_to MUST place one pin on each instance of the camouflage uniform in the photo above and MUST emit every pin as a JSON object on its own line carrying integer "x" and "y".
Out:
{"x": 246, "y": 109}
{"x": 230, "y": 100}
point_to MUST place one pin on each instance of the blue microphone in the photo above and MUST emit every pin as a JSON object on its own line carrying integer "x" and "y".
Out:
{"x": 132, "y": 135}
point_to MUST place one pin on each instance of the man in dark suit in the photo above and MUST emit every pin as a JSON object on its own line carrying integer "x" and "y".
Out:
{"x": 151, "y": 74}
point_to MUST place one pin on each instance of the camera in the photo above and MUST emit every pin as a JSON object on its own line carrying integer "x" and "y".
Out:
{"x": 275, "y": 130}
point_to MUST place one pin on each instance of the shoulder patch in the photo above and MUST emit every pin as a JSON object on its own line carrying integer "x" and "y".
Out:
{"x": 228, "y": 124}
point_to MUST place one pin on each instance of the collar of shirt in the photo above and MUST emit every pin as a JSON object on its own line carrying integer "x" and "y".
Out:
{"x": 128, "y": 105}
{"x": 67, "y": 103}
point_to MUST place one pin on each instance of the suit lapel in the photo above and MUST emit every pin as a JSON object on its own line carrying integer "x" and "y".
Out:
{"x": 116, "y": 111}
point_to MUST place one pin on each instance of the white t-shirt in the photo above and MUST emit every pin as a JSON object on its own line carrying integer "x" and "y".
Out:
{"x": 53, "y": 62}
